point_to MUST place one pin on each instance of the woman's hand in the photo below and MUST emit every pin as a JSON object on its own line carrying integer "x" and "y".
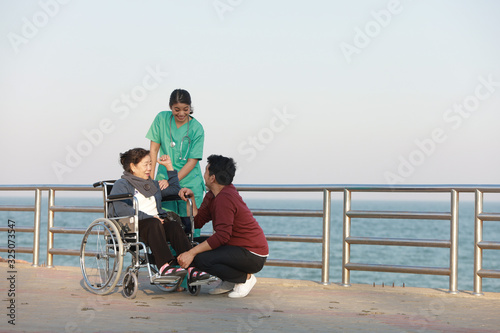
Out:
{"x": 163, "y": 184}
{"x": 185, "y": 193}
{"x": 161, "y": 220}
{"x": 166, "y": 162}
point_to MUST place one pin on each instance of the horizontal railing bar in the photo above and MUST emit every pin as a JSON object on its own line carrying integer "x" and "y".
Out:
{"x": 18, "y": 229}
{"x": 399, "y": 242}
{"x": 77, "y": 253}
{"x": 287, "y": 238}
{"x": 64, "y": 230}
{"x": 398, "y": 269}
{"x": 292, "y": 188}
{"x": 368, "y": 188}
{"x": 293, "y": 263}
{"x": 398, "y": 215}
{"x": 489, "y": 216}
{"x": 489, "y": 245}
{"x": 77, "y": 209}
{"x": 294, "y": 238}
{"x": 66, "y": 252}
{"x": 296, "y": 213}
{"x": 46, "y": 187}
{"x": 18, "y": 249}
{"x": 17, "y": 208}
{"x": 489, "y": 273}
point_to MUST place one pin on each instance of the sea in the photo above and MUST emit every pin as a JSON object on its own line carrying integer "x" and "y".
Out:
{"x": 372, "y": 254}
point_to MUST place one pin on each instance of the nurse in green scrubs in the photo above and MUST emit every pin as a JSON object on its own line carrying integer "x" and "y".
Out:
{"x": 177, "y": 134}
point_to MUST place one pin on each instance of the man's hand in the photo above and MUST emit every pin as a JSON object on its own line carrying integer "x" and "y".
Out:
{"x": 185, "y": 259}
{"x": 185, "y": 193}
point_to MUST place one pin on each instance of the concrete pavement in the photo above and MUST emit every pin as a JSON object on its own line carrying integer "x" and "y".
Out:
{"x": 54, "y": 300}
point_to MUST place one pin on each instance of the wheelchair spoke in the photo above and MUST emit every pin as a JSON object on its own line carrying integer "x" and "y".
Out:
{"x": 100, "y": 256}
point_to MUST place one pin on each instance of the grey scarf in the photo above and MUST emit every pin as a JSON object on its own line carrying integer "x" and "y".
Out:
{"x": 145, "y": 186}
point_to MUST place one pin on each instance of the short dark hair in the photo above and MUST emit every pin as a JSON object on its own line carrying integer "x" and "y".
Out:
{"x": 180, "y": 96}
{"x": 222, "y": 167}
{"x": 134, "y": 155}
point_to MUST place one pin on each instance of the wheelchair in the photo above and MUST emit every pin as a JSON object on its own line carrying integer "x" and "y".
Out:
{"x": 107, "y": 241}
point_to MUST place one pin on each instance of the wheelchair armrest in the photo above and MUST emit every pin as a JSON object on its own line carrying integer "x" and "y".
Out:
{"x": 172, "y": 197}
{"x": 120, "y": 196}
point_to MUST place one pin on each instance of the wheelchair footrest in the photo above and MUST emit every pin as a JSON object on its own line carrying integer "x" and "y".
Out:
{"x": 211, "y": 279}
{"x": 166, "y": 279}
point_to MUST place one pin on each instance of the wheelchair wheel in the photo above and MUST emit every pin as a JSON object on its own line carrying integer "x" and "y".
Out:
{"x": 101, "y": 256}
{"x": 130, "y": 284}
{"x": 168, "y": 287}
{"x": 194, "y": 290}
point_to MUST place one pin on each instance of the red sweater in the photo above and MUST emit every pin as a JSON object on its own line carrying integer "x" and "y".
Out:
{"x": 232, "y": 221}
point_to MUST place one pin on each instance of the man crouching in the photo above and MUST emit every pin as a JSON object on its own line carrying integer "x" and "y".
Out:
{"x": 238, "y": 248}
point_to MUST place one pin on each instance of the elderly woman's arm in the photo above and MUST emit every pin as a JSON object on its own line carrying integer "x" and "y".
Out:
{"x": 173, "y": 187}
{"x": 173, "y": 177}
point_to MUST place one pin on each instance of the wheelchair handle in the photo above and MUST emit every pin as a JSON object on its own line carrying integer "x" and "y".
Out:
{"x": 102, "y": 182}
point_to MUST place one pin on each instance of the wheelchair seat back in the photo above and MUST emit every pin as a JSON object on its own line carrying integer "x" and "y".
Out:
{"x": 128, "y": 225}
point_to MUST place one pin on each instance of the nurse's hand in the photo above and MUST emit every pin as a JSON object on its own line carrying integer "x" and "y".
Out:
{"x": 163, "y": 184}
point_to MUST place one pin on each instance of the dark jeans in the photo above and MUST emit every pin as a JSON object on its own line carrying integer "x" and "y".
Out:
{"x": 157, "y": 235}
{"x": 229, "y": 263}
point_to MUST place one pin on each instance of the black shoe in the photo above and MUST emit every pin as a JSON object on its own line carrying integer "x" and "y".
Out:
{"x": 173, "y": 271}
{"x": 197, "y": 275}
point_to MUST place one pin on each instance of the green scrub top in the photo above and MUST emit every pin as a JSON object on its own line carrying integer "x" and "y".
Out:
{"x": 191, "y": 144}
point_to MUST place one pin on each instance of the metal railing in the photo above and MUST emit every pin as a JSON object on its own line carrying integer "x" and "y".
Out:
{"x": 52, "y": 208}
{"x": 480, "y": 244}
{"x": 52, "y": 229}
{"x": 36, "y": 209}
{"x": 324, "y": 239}
{"x": 452, "y": 243}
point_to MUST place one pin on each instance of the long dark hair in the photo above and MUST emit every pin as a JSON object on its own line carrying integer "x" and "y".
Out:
{"x": 180, "y": 96}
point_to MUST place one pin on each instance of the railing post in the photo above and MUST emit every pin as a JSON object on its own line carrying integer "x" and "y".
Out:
{"x": 325, "y": 268}
{"x": 478, "y": 237}
{"x": 346, "y": 249}
{"x": 454, "y": 243}
{"x": 36, "y": 228}
{"x": 50, "y": 224}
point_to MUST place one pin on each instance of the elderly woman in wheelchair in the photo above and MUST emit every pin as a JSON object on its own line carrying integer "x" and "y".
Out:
{"x": 138, "y": 197}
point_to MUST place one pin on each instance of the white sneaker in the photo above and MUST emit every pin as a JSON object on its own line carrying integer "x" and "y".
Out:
{"x": 222, "y": 287}
{"x": 242, "y": 289}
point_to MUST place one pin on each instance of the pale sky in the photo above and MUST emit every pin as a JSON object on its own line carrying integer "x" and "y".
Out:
{"x": 297, "y": 92}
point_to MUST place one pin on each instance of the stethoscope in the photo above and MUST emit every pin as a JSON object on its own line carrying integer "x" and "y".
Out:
{"x": 172, "y": 143}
